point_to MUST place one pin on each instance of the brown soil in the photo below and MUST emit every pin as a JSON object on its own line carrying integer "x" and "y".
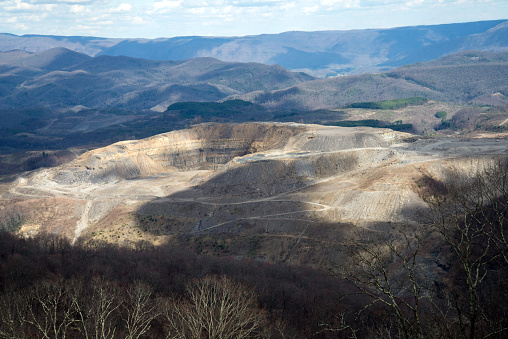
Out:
{"x": 278, "y": 192}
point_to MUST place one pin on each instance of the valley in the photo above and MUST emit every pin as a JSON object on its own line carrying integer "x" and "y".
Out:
{"x": 329, "y": 184}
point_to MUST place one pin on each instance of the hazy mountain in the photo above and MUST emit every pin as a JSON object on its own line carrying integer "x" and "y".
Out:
{"x": 465, "y": 77}
{"x": 493, "y": 39}
{"x": 37, "y": 43}
{"x": 62, "y": 78}
{"x": 322, "y": 53}
{"x": 471, "y": 57}
{"x": 336, "y": 51}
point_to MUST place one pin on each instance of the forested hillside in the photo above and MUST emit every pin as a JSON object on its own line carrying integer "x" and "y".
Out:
{"x": 63, "y": 78}
{"x": 469, "y": 77}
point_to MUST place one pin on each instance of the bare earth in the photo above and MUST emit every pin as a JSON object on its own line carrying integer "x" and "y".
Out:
{"x": 273, "y": 191}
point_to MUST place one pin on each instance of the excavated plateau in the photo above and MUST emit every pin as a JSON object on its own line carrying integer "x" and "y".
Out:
{"x": 273, "y": 191}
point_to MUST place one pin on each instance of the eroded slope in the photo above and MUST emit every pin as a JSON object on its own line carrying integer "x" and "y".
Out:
{"x": 280, "y": 192}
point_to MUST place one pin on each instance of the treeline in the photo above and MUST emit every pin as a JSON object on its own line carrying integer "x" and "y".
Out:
{"x": 396, "y": 126}
{"x": 226, "y": 111}
{"x": 389, "y": 104}
{"x": 52, "y": 289}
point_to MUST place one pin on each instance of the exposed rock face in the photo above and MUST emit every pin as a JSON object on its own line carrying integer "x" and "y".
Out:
{"x": 209, "y": 146}
{"x": 202, "y": 147}
{"x": 267, "y": 190}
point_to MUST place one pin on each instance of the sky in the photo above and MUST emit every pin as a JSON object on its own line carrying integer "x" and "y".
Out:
{"x": 170, "y": 18}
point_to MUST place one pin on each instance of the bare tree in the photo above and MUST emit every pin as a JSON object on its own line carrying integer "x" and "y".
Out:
{"x": 386, "y": 269}
{"x": 217, "y": 307}
{"x": 140, "y": 310}
{"x": 50, "y": 309}
{"x": 470, "y": 212}
{"x": 11, "y": 321}
{"x": 96, "y": 313}
{"x": 486, "y": 197}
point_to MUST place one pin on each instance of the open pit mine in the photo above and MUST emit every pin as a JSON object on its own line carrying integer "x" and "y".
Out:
{"x": 280, "y": 192}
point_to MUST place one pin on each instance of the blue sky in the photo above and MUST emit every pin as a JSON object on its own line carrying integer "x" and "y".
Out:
{"x": 169, "y": 18}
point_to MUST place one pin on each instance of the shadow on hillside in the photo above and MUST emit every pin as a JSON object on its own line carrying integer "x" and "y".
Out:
{"x": 267, "y": 221}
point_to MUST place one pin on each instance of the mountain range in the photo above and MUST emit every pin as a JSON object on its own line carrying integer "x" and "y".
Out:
{"x": 60, "y": 97}
{"x": 59, "y": 78}
{"x": 320, "y": 53}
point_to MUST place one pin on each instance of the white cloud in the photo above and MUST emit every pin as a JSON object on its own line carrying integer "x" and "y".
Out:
{"x": 257, "y": 3}
{"x": 76, "y": 9}
{"x": 148, "y": 18}
{"x": 137, "y": 20}
{"x": 288, "y": 6}
{"x": 37, "y": 18}
{"x": 12, "y": 23}
{"x": 11, "y": 20}
{"x": 122, "y": 8}
{"x": 97, "y": 18}
{"x": 80, "y": 2}
{"x": 414, "y": 3}
{"x": 197, "y": 10}
{"x": 309, "y": 10}
{"x": 84, "y": 27}
{"x": 165, "y": 6}
{"x": 21, "y": 6}
{"x": 341, "y": 4}
{"x": 22, "y": 27}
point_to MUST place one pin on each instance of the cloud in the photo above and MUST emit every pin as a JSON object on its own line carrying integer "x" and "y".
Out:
{"x": 37, "y": 18}
{"x": 148, "y": 18}
{"x": 122, "y": 8}
{"x": 198, "y": 10}
{"x": 257, "y": 3}
{"x": 341, "y": 4}
{"x": 288, "y": 6}
{"x": 165, "y": 6}
{"x": 20, "y": 6}
{"x": 11, "y": 20}
{"x": 137, "y": 20}
{"x": 76, "y": 9}
{"x": 414, "y": 3}
{"x": 309, "y": 10}
{"x": 54, "y": 2}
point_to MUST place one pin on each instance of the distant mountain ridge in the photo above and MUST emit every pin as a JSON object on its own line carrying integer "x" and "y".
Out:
{"x": 62, "y": 78}
{"x": 323, "y": 53}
